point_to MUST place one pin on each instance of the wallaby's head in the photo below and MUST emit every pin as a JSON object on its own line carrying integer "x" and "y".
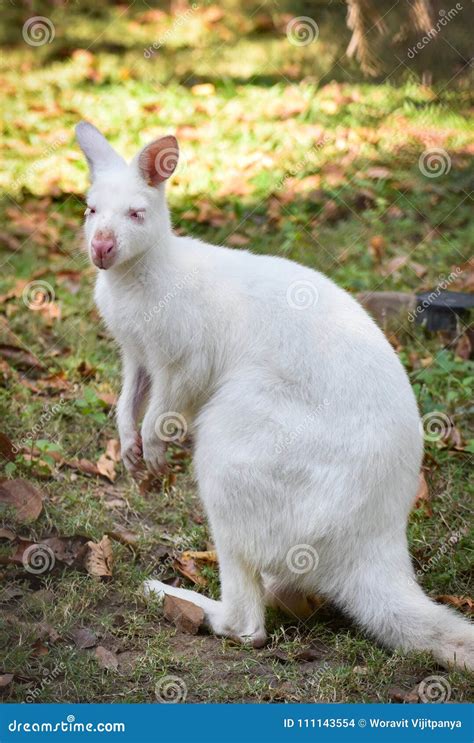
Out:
{"x": 126, "y": 211}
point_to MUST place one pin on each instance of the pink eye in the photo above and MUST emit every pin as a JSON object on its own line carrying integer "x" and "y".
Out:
{"x": 137, "y": 214}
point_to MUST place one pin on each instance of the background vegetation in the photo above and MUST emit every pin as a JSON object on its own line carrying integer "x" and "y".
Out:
{"x": 286, "y": 149}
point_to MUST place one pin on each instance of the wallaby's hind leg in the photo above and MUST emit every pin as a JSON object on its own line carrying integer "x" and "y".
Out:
{"x": 239, "y": 614}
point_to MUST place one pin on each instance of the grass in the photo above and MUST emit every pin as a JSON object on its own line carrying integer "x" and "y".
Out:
{"x": 284, "y": 153}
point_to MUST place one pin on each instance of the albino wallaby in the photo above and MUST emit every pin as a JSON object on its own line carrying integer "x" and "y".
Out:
{"x": 308, "y": 442}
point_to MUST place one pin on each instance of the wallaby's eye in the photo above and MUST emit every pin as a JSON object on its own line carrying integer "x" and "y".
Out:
{"x": 137, "y": 215}
{"x": 90, "y": 210}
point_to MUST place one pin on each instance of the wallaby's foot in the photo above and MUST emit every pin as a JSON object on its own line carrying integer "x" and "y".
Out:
{"x": 214, "y": 614}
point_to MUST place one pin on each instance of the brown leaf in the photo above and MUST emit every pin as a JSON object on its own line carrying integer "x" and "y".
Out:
{"x": 7, "y": 534}
{"x": 397, "y": 694}
{"x": 5, "y": 680}
{"x": 99, "y": 558}
{"x": 113, "y": 450}
{"x": 185, "y": 615}
{"x": 378, "y": 171}
{"x": 377, "y": 247}
{"x": 83, "y": 465}
{"x": 187, "y": 567}
{"x": 106, "y": 659}
{"x": 238, "y": 240}
{"x": 23, "y": 497}
{"x": 106, "y": 467}
{"x": 84, "y": 638}
{"x": 207, "y": 556}
{"x": 6, "y": 448}
{"x": 124, "y": 536}
{"x": 19, "y": 357}
{"x": 464, "y": 603}
{"x": 464, "y": 347}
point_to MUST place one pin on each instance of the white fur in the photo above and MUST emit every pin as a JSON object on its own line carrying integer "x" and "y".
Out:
{"x": 307, "y": 434}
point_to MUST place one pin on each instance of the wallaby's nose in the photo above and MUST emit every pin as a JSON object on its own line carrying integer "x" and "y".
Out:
{"x": 103, "y": 248}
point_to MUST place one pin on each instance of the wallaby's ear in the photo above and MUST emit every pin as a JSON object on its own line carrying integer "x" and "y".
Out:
{"x": 99, "y": 153}
{"x": 158, "y": 160}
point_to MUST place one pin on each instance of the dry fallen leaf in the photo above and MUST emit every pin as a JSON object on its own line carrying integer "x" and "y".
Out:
{"x": 464, "y": 603}
{"x": 106, "y": 659}
{"x": 185, "y": 615}
{"x": 23, "y": 497}
{"x": 84, "y": 638}
{"x": 99, "y": 558}
{"x": 113, "y": 450}
{"x": 187, "y": 567}
{"x": 6, "y": 448}
{"x": 206, "y": 556}
{"x": 124, "y": 536}
{"x": 106, "y": 467}
{"x": 5, "y": 680}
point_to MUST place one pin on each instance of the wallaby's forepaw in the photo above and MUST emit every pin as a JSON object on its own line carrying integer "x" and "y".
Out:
{"x": 154, "y": 454}
{"x": 132, "y": 453}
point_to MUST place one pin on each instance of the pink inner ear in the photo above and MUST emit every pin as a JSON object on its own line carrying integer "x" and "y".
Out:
{"x": 159, "y": 160}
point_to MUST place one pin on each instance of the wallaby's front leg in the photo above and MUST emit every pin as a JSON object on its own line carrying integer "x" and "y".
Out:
{"x": 130, "y": 404}
{"x": 161, "y": 423}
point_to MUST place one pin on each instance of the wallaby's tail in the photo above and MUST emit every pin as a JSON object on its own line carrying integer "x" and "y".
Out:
{"x": 381, "y": 594}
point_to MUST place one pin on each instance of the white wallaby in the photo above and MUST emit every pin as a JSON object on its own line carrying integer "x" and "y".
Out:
{"x": 307, "y": 436}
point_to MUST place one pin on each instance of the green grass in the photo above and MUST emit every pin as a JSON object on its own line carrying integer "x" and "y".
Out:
{"x": 282, "y": 155}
